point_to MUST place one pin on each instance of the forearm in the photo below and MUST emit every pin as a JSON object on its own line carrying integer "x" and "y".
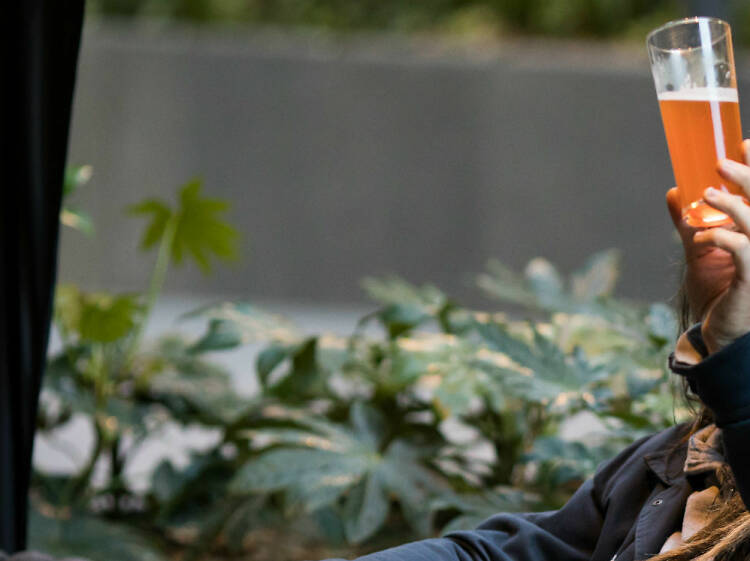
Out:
{"x": 441, "y": 549}
{"x": 570, "y": 533}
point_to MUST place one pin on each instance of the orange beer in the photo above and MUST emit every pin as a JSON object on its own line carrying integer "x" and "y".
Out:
{"x": 702, "y": 126}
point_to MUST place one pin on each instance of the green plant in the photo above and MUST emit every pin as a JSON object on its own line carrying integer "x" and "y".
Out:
{"x": 361, "y": 425}
{"x": 600, "y": 18}
{"x": 430, "y": 416}
{"x": 123, "y": 386}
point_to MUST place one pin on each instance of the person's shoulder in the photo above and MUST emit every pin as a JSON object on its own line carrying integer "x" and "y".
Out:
{"x": 631, "y": 462}
{"x": 663, "y": 440}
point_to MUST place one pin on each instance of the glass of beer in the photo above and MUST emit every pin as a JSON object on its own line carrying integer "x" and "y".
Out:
{"x": 693, "y": 67}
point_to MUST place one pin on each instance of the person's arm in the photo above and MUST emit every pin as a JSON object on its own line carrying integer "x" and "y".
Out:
{"x": 570, "y": 533}
{"x": 722, "y": 381}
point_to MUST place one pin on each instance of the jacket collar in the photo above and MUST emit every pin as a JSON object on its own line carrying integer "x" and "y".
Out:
{"x": 668, "y": 463}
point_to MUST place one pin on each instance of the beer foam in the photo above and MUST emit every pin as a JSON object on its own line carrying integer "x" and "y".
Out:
{"x": 701, "y": 94}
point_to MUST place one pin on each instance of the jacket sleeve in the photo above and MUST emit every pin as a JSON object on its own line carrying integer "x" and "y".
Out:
{"x": 722, "y": 381}
{"x": 570, "y": 533}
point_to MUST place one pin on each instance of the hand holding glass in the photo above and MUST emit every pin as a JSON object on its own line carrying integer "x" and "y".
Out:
{"x": 693, "y": 67}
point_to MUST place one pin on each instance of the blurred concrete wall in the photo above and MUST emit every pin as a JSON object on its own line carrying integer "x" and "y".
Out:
{"x": 372, "y": 155}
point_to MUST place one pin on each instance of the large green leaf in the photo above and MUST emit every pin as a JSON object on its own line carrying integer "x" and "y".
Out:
{"x": 588, "y": 291}
{"x": 183, "y": 495}
{"x": 475, "y": 508}
{"x": 304, "y": 379}
{"x": 405, "y": 306}
{"x": 192, "y": 388}
{"x": 598, "y": 277}
{"x": 199, "y": 228}
{"x": 221, "y": 335}
{"x": 343, "y": 460}
{"x": 250, "y": 322}
{"x": 366, "y": 508}
{"x": 98, "y": 317}
{"x": 546, "y": 371}
{"x": 89, "y": 538}
{"x": 300, "y": 468}
{"x": 563, "y": 462}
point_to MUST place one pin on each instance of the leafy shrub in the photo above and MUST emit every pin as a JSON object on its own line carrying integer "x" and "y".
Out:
{"x": 551, "y": 17}
{"x": 430, "y": 416}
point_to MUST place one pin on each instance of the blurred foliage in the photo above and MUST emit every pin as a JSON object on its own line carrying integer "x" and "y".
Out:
{"x": 554, "y": 17}
{"x": 428, "y": 417}
{"x": 627, "y": 19}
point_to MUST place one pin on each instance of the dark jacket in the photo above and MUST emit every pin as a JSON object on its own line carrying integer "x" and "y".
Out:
{"x": 633, "y": 503}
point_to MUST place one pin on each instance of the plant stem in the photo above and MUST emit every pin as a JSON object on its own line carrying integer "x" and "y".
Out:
{"x": 155, "y": 286}
{"x": 82, "y": 482}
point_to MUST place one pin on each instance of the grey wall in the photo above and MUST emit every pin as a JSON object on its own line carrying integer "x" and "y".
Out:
{"x": 370, "y": 156}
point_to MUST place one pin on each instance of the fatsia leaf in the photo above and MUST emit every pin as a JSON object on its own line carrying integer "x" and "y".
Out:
{"x": 366, "y": 509}
{"x": 405, "y": 305}
{"x": 369, "y": 424}
{"x": 305, "y": 379}
{"x": 504, "y": 284}
{"x": 662, "y": 323}
{"x": 89, "y": 538}
{"x": 200, "y": 231}
{"x": 96, "y": 317}
{"x": 405, "y": 477}
{"x": 252, "y": 322}
{"x": 160, "y": 214}
{"x": 588, "y": 292}
{"x": 545, "y": 361}
{"x": 396, "y": 291}
{"x": 563, "y": 461}
{"x": 333, "y": 461}
{"x": 106, "y": 318}
{"x": 300, "y": 468}
{"x": 191, "y": 387}
{"x": 269, "y": 358}
{"x": 475, "y": 508}
{"x": 598, "y": 276}
{"x": 544, "y": 281}
{"x": 221, "y": 335}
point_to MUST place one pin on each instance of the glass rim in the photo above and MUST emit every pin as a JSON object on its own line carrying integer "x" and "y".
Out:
{"x": 685, "y": 21}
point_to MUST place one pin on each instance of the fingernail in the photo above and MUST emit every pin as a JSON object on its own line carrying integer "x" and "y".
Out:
{"x": 729, "y": 164}
{"x": 710, "y": 192}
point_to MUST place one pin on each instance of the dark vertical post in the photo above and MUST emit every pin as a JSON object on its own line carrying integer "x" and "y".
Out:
{"x": 40, "y": 40}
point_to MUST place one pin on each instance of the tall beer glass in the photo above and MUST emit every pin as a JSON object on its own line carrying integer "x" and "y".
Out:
{"x": 693, "y": 67}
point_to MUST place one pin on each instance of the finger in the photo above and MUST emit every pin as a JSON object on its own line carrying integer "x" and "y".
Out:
{"x": 733, "y": 205}
{"x": 746, "y": 150}
{"x": 736, "y": 243}
{"x": 736, "y": 172}
{"x": 673, "y": 204}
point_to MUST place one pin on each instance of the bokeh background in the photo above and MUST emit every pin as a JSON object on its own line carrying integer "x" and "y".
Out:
{"x": 359, "y": 138}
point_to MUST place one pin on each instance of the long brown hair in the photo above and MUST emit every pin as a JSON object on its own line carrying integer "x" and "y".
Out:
{"x": 727, "y": 536}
